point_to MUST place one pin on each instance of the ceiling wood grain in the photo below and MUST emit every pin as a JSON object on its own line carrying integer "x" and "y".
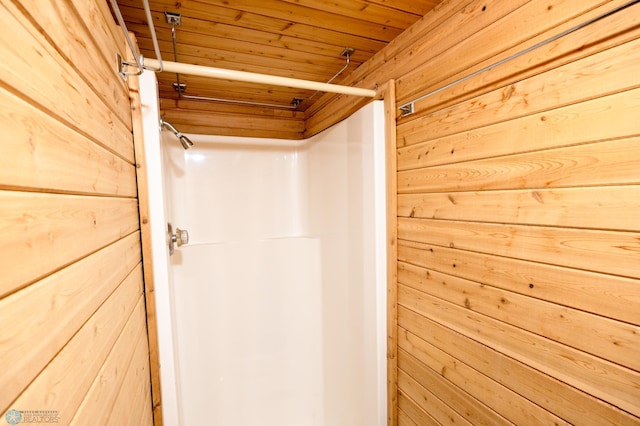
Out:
{"x": 291, "y": 38}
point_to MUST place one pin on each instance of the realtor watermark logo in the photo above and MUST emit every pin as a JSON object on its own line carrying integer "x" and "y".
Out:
{"x": 14, "y": 417}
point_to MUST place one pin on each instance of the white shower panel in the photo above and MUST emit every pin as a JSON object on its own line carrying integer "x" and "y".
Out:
{"x": 277, "y": 304}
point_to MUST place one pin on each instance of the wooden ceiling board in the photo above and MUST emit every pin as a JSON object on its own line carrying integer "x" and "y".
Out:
{"x": 412, "y": 6}
{"x": 363, "y": 11}
{"x": 230, "y": 120}
{"x": 252, "y": 59}
{"x": 206, "y": 23}
{"x": 300, "y": 39}
{"x": 230, "y": 109}
{"x": 245, "y": 12}
{"x": 230, "y": 90}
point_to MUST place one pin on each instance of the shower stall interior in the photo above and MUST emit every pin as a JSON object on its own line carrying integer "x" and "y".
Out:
{"x": 274, "y": 313}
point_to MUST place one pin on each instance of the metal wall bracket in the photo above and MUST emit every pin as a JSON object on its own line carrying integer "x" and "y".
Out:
{"x": 121, "y": 66}
{"x": 406, "y": 109}
{"x": 180, "y": 87}
{"x": 173, "y": 18}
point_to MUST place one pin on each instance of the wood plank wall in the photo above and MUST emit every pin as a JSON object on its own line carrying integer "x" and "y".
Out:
{"x": 233, "y": 120}
{"x": 72, "y": 314}
{"x": 518, "y": 232}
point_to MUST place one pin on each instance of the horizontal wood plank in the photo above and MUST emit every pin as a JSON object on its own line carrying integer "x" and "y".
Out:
{"x": 590, "y": 207}
{"x": 381, "y": 14}
{"x": 503, "y": 401}
{"x": 606, "y": 295}
{"x": 133, "y": 401}
{"x": 38, "y": 73}
{"x": 60, "y": 22}
{"x": 609, "y": 382}
{"x": 617, "y": 252}
{"x": 608, "y": 117}
{"x": 105, "y": 33}
{"x": 99, "y": 401}
{"x": 46, "y": 232}
{"x": 148, "y": 418}
{"x": 405, "y": 420}
{"x": 570, "y": 403}
{"x": 604, "y": 163}
{"x": 575, "y": 82}
{"x": 458, "y": 399}
{"x": 409, "y": 409}
{"x": 419, "y": 8}
{"x": 66, "y": 299}
{"x": 45, "y": 155}
{"x": 427, "y": 401}
{"x": 62, "y": 385}
{"x": 234, "y": 121}
{"x": 605, "y": 338}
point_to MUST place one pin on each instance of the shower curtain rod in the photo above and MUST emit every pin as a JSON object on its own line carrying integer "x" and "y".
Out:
{"x": 408, "y": 107}
{"x": 158, "y": 65}
{"x": 250, "y": 77}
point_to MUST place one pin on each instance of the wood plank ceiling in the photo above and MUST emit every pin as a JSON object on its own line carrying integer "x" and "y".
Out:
{"x": 292, "y": 38}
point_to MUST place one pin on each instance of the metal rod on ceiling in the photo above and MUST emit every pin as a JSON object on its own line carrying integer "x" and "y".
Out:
{"x": 183, "y": 95}
{"x": 408, "y": 107}
{"x": 250, "y": 77}
{"x": 175, "y": 19}
{"x": 158, "y": 65}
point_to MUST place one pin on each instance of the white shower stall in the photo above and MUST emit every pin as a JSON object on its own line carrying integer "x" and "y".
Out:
{"x": 274, "y": 313}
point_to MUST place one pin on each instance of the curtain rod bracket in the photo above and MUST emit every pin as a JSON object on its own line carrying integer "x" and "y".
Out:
{"x": 406, "y": 109}
{"x": 121, "y": 66}
{"x": 139, "y": 60}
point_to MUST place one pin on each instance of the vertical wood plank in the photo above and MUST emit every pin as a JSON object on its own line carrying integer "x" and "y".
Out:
{"x": 147, "y": 251}
{"x": 392, "y": 252}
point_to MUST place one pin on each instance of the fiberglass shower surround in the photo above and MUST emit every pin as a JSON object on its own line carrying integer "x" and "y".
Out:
{"x": 278, "y": 301}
